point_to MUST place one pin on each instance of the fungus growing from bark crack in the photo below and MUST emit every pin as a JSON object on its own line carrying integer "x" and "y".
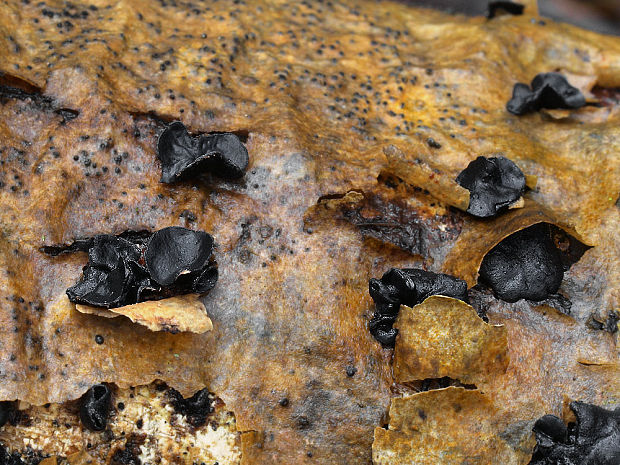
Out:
{"x": 182, "y": 155}
{"x": 95, "y": 407}
{"x": 593, "y": 440}
{"x": 196, "y": 409}
{"x": 407, "y": 287}
{"x": 493, "y": 184}
{"x": 497, "y": 8}
{"x": 548, "y": 90}
{"x": 121, "y": 271}
{"x": 525, "y": 265}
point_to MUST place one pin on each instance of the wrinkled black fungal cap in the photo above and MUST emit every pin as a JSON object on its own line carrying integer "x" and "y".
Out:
{"x": 414, "y": 286}
{"x": 182, "y": 155}
{"x": 525, "y": 265}
{"x": 593, "y": 440}
{"x": 408, "y": 287}
{"x": 549, "y": 90}
{"x": 493, "y": 184}
{"x": 509, "y": 7}
{"x": 108, "y": 279}
{"x": 95, "y": 407}
{"x": 177, "y": 151}
{"x": 380, "y": 327}
{"x": 196, "y": 408}
{"x": 131, "y": 268}
{"x": 174, "y": 251}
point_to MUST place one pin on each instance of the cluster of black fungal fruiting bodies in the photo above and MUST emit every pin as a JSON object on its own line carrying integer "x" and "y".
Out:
{"x": 548, "y": 90}
{"x": 493, "y": 184}
{"x": 182, "y": 155}
{"x": 525, "y": 265}
{"x": 593, "y": 440}
{"x": 407, "y": 287}
{"x": 135, "y": 268}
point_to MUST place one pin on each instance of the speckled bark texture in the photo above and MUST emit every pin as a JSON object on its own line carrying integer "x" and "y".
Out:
{"x": 329, "y": 98}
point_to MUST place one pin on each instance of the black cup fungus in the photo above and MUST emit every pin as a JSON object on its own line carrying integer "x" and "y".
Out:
{"x": 228, "y": 157}
{"x": 593, "y": 440}
{"x": 525, "y": 265}
{"x": 121, "y": 271}
{"x": 548, "y": 90}
{"x": 493, "y": 184}
{"x": 206, "y": 280}
{"x": 408, "y": 287}
{"x": 182, "y": 155}
{"x": 95, "y": 407}
{"x": 109, "y": 277}
{"x": 196, "y": 409}
{"x": 177, "y": 151}
{"x": 496, "y": 8}
{"x": 174, "y": 251}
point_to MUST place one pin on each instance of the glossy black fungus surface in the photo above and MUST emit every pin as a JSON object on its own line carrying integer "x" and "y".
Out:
{"x": 525, "y": 265}
{"x": 206, "y": 280}
{"x": 548, "y": 90}
{"x": 196, "y": 409}
{"x": 174, "y": 251}
{"x": 182, "y": 155}
{"x": 381, "y": 329}
{"x": 107, "y": 279}
{"x": 493, "y": 184}
{"x": 95, "y": 407}
{"x": 593, "y": 440}
{"x": 408, "y": 287}
{"x": 512, "y": 8}
{"x": 127, "y": 269}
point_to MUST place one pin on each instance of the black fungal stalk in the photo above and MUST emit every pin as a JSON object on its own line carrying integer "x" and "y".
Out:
{"x": 493, "y": 183}
{"x": 525, "y": 265}
{"x": 95, "y": 407}
{"x": 497, "y": 8}
{"x": 123, "y": 271}
{"x": 593, "y": 440}
{"x": 407, "y": 287}
{"x": 549, "y": 90}
{"x": 182, "y": 155}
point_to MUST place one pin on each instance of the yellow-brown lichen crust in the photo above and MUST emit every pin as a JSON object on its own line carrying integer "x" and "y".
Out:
{"x": 332, "y": 97}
